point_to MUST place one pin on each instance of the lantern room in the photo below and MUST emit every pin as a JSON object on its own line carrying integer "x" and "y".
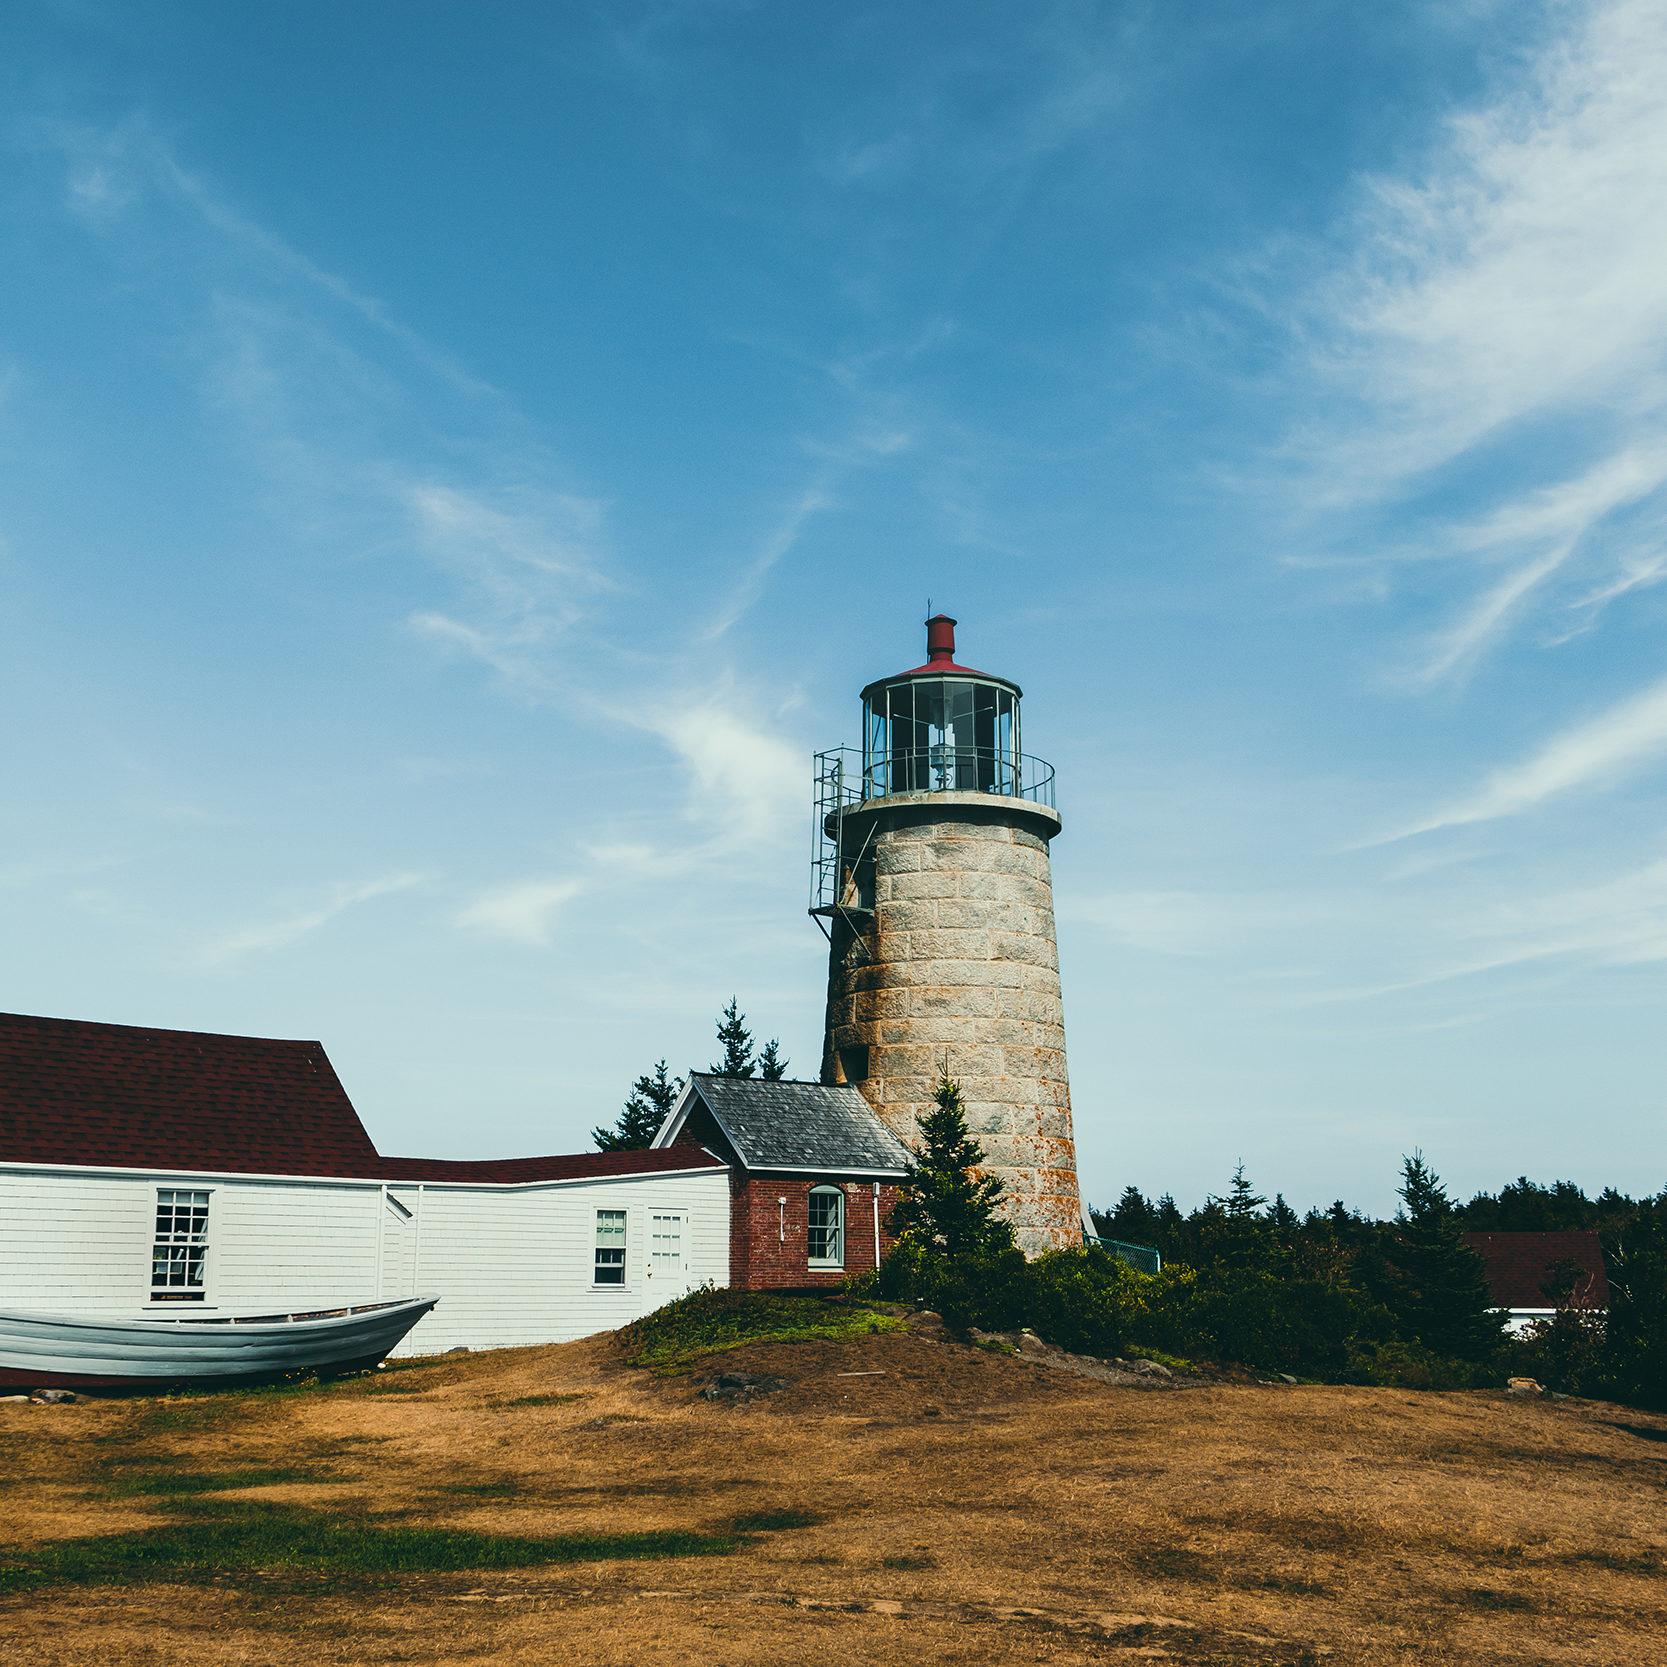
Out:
{"x": 941, "y": 727}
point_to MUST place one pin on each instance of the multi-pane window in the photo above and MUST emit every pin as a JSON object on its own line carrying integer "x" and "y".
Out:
{"x": 180, "y": 1248}
{"x": 610, "y": 1247}
{"x": 827, "y": 1227}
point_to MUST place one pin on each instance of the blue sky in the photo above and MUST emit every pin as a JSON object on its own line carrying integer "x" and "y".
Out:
{"x": 458, "y": 462}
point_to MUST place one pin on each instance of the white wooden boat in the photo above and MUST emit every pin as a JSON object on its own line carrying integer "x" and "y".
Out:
{"x": 55, "y": 1351}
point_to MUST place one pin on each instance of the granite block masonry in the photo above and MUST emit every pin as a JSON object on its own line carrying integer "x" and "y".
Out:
{"x": 942, "y": 954}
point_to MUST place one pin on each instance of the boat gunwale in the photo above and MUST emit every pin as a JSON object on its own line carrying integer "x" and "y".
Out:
{"x": 311, "y": 1319}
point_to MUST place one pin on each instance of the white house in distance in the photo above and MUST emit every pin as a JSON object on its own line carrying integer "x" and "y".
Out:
{"x": 142, "y": 1170}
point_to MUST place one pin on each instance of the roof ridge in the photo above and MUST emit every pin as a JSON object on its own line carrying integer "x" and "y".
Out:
{"x": 776, "y": 1082}
{"x": 161, "y": 1030}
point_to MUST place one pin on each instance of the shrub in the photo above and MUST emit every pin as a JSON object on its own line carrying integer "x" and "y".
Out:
{"x": 1086, "y": 1300}
{"x": 990, "y": 1290}
{"x": 1399, "y": 1365}
{"x": 1566, "y": 1351}
{"x": 1286, "y": 1321}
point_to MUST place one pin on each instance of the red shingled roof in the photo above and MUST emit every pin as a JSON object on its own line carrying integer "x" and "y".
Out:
{"x": 1521, "y": 1265}
{"x": 116, "y": 1095}
{"x": 121, "y": 1097}
{"x": 574, "y": 1166}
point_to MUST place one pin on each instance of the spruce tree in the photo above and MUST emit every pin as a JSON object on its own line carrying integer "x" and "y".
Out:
{"x": 771, "y": 1066}
{"x": 649, "y": 1105}
{"x": 1134, "y": 1220}
{"x": 737, "y": 1043}
{"x": 1440, "y": 1288}
{"x": 1637, "y": 1342}
{"x": 944, "y": 1208}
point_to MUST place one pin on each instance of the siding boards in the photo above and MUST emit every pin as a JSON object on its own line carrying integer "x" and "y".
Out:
{"x": 511, "y": 1265}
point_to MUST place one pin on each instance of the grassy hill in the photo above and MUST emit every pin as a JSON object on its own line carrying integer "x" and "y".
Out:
{"x": 898, "y": 1497}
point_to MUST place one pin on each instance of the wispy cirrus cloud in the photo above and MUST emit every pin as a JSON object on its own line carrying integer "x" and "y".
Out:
{"x": 372, "y": 439}
{"x": 1598, "y": 752}
{"x": 1615, "y": 924}
{"x": 523, "y": 911}
{"x": 1508, "y": 284}
{"x": 815, "y": 500}
{"x": 228, "y": 949}
{"x": 115, "y": 174}
{"x": 744, "y": 776}
{"x": 526, "y": 567}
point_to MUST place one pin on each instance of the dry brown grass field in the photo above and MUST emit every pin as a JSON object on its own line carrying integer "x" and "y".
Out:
{"x": 949, "y": 1505}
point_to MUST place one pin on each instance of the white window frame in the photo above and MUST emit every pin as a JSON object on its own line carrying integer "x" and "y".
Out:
{"x": 188, "y": 1240}
{"x": 837, "y": 1228}
{"x": 599, "y": 1249}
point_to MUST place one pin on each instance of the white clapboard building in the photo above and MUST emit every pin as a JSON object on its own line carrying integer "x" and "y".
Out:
{"x": 146, "y": 1170}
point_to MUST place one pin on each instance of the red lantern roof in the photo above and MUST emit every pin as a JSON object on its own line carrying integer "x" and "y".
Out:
{"x": 940, "y": 661}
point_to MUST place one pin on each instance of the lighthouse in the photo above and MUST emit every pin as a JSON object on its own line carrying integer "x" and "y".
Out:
{"x": 932, "y": 881}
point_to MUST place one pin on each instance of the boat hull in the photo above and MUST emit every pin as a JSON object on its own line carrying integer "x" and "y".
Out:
{"x": 48, "y": 1351}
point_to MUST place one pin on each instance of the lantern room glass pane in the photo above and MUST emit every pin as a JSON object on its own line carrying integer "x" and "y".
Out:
{"x": 941, "y": 734}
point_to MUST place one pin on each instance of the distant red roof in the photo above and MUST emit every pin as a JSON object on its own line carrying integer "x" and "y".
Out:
{"x": 109, "y": 1096}
{"x": 1520, "y": 1266}
{"x": 574, "y": 1166}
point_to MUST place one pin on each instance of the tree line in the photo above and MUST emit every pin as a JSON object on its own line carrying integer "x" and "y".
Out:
{"x": 1331, "y": 1295}
{"x": 1522, "y": 1206}
{"x": 654, "y": 1093}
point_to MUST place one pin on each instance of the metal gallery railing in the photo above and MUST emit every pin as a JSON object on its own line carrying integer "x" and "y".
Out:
{"x": 846, "y": 779}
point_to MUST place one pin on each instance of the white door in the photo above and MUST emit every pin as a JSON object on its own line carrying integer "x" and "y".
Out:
{"x": 667, "y": 1267}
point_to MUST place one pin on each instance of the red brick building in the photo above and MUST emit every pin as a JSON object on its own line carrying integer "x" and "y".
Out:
{"x": 813, "y": 1176}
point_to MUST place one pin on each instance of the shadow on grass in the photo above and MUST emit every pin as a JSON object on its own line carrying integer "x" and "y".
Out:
{"x": 236, "y": 1541}
{"x": 176, "y": 1483}
{"x": 771, "y": 1522}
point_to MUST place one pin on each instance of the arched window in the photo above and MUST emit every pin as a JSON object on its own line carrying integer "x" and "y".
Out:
{"x": 827, "y": 1227}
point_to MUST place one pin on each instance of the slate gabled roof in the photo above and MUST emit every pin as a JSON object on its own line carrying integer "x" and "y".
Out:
{"x": 1520, "y": 1265}
{"x": 117, "y": 1096}
{"x": 800, "y": 1125}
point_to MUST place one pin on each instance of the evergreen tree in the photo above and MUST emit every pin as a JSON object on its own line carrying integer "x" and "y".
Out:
{"x": 737, "y": 1044}
{"x": 1231, "y": 1230}
{"x": 1637, "y": 1333}
{"x": 1167, "y": 1218}
{"x": 1134, "y": 1220}
{"x": 649, "y": 1105}
{"x": 1439, "y": 1288}
{"x": 944, "y": 1208}
{"x": 771, "y": 1066}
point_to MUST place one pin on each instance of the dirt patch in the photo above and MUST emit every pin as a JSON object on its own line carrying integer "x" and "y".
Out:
{"x": 893, "y": 1375}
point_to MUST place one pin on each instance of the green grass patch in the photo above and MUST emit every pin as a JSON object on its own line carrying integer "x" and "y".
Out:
{"x": 709, "y": 1322}
{"x": 181, "y": 1483}
{"x": 1174, "y": 1362}
{"x": 542, "y": 1400}
{"x": 275, "y": 1542}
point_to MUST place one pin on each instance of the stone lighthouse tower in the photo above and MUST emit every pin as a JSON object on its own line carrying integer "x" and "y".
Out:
{"x": 933, "y": 883}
